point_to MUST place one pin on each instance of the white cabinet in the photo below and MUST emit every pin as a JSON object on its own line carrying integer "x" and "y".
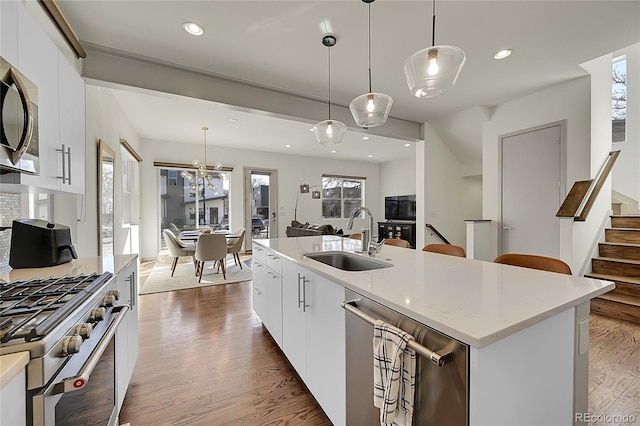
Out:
{"x": 9, "y": 31}
{"x": 13, "y": 388}
{"x": 313, "y": 338}
{"x": 127, "y": 335}
{"x": 267, "y": 290}
{"x": 60, "y": 108}
{"x": 38, "y": 61}
{"x": 71, "y": 101}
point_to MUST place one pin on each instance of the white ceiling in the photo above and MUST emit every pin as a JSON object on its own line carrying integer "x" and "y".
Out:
{"x": 276, "y": 44}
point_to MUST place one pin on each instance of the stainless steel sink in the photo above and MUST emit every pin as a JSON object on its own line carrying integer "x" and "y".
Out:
{"x": 347, "y": 261}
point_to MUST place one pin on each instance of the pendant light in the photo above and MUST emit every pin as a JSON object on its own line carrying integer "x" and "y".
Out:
{"x": 432, "y": 71}
{"x": 370, "y": 109}
{"x": 329, "y": 132}
{"x": 202, "y": 168}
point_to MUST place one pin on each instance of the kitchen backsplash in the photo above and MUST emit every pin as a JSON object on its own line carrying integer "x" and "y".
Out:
{"x": 10, "y": 209}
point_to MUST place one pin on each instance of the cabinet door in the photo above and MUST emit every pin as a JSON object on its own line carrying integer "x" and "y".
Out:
{"x": 127, "y": 335}
{"x": 294, "y": 333}
{"x": 273, "y": 302}
{"x": 13, "y": 403}
{"x": 259, "y": 290}
{"x": 9, "y": 31}
{"x": 325, "y": 324}
{"x": 38, "y": 58}
{"x": 72, "y": 126}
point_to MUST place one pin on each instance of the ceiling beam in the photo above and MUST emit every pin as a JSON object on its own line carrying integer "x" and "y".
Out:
{"x": 108, "y": 65}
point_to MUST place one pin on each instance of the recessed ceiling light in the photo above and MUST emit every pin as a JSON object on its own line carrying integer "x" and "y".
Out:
{"x": 365, "y": 138}
{"x": 287, "y": 146}
{"x": 233, "y": 120}
{"x": 370, "y": 155}
{"x": 407, "y": 144}
{"x": 311, "y": 129}
{"x": 333, "y": 151}
{"x": 193, "y": 28}
{"x": 502, "y": 54}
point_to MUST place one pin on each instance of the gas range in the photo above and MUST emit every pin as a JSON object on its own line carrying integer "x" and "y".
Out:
{"x": 52, "y": 318}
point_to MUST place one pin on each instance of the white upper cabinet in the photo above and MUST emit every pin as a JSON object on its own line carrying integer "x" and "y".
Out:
{"x": 71, "y": 101}
{"x": 60, "y": 106}
{"x": 9, "y": 31}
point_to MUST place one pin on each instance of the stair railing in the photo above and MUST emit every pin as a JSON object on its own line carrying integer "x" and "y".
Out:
{"x": 583, "y": 193}
{"x": 437, "y": 233}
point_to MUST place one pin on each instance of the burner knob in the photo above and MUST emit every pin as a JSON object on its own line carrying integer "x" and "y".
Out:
{"x": 97, "y": 314}
{"x": 71, "y": 345}
{"x": 115, "y": 293}
{"x": 108, "y": 300}
{"x": 84, "y": 330}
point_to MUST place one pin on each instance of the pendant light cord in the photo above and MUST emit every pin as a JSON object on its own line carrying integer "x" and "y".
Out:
{"x": 369, "y": 4}
{"x": 433, "y": 27}
{"x": 329, "y": 49}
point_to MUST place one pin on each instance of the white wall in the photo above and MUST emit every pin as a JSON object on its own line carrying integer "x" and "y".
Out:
{"x": 626, "y": 172}
{"x": 397, "y": 178}
{"x": 568, "y": 101}
{"x": 105, "y": 120}
{"x": 441, "y": 191}
{"x": 291, "y": 169}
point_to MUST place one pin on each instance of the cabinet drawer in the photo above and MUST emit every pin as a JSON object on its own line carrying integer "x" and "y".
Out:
{"x": 274, "y": 262}
{"x": 259, "y": 253}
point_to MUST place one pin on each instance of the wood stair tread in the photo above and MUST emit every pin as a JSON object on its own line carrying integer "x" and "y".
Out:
{"x": 621, "y": 298}
{"x": 625, "y": 229}
{"x": 607, "y": 277}
{"x": 615, "y": 243}
{"x": 616, "y": 259}
{"x": 626, "y": 216}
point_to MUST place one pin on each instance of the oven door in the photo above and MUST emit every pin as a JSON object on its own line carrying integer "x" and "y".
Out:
{"x": 84, "y": 391}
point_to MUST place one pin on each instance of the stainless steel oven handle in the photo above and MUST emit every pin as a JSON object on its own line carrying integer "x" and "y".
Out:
{"x": 78, "y": 382}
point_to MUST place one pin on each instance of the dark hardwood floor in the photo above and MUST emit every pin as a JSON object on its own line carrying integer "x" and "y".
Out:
{"x": 205, "y": 359}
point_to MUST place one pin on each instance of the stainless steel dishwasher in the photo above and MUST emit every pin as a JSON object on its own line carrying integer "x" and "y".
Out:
{"x": 442, "y": 391}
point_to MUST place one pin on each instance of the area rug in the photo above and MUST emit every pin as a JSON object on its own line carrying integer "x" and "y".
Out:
{"x": 160, "y": 279}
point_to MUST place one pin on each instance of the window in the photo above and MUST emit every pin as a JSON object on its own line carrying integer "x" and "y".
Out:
{"x": 130, "y": 184}
{"x": 619, "y": 99}
{"x": 341, "y": 195}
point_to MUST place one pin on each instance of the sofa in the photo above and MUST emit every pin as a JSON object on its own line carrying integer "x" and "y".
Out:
{"x": 298, "y": 229}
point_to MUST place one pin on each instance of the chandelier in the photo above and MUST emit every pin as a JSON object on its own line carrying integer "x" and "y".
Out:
{"x": 202, "y": 169}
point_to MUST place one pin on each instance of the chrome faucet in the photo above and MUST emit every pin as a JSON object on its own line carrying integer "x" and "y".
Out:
{"x": 375, "y": 247}
{"x": 366, "y": 233}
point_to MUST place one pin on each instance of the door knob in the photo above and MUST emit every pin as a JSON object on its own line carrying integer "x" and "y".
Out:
{"x": 506, "y": 228}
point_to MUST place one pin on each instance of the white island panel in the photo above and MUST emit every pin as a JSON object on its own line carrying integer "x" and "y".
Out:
{"x": 475, "y": 302}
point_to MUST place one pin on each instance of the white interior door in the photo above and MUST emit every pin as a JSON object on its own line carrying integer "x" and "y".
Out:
{"x": 531, "y": 187}
{"x": 261, "y": 204}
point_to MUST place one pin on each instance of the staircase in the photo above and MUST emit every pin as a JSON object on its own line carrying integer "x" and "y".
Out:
{"x": 619, "y": 261}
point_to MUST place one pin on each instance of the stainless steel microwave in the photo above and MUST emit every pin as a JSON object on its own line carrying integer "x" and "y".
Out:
{"x": 19, "y": 150}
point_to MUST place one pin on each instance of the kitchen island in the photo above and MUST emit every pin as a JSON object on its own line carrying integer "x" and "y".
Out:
{"x": 526, "y": 330}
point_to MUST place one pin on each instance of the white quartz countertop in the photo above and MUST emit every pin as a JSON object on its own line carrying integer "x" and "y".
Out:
{"x": 84, "y": 265}
{"x": 473, "y": 301}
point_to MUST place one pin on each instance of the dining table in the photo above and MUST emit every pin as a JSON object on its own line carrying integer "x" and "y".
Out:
{"x": 192, "y": 236}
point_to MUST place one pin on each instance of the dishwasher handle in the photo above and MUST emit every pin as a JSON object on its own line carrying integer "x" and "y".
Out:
{"x": 438, "y": 358}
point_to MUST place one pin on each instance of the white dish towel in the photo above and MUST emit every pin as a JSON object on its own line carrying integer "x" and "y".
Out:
{"x": 394, "y": 374}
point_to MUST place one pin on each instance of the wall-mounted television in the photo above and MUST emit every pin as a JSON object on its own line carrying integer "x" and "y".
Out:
{"x": 400, "y": 207}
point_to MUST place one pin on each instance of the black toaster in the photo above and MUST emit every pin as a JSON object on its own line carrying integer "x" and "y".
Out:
{"x": 37, "y": 243}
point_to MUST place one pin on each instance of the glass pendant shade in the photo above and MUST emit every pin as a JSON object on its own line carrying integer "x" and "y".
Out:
{"x": 371, "y": 109}
{"x": 434, "y": 70}
{"x": 329, "y": 132}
